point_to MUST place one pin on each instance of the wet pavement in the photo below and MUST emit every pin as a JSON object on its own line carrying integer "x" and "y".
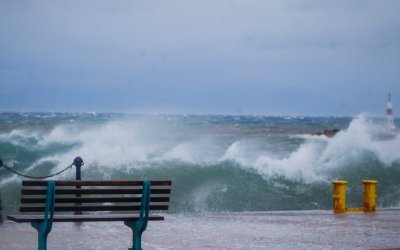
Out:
{"x": 254, "y": 230}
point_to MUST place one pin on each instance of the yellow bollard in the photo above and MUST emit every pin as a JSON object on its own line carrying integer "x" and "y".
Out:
{"x": 339, "y": 196}
{"x": 369, "y": 195}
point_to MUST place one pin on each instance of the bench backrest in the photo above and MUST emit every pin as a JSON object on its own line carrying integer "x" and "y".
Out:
{"x": 117, "y": 196}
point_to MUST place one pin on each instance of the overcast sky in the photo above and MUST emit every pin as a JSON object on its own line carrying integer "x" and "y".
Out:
{"x": 275, "y": 57}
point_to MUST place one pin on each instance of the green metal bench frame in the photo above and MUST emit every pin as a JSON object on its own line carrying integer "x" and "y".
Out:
{"x": 44, "y": 227}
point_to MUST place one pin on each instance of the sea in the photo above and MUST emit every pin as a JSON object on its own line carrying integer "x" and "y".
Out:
{"x": 217, "y": 163}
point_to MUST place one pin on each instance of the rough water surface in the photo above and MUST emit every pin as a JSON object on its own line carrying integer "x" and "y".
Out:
{"x": 218, "y": 163}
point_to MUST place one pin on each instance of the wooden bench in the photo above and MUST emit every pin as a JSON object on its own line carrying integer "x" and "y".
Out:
{"x": 81, "y": 201}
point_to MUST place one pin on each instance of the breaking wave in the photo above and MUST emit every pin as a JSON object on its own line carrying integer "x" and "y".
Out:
{"x": 217, "y": 163}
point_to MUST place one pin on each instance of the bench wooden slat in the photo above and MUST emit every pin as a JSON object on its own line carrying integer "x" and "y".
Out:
{"x": 128, "y": 201}
{"x": 93, "y": 208}
{"x": 94, "y": 199}
{"x": 96, "y": 183}
{"x": 81, "y": 218}
{"x": 93, "y": 191}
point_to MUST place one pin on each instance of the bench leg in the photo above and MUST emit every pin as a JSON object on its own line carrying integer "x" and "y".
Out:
{"x": 45, "y": 226}
{"x": 137, "y": 230}
{"x": 42, "y": 235}
{"x": 140, "y": 225}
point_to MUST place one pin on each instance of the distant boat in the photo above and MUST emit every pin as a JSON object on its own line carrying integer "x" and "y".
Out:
{"x": 388, "y": 132}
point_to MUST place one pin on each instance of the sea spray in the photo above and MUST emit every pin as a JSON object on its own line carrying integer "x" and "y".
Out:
{"x": 217, "y": 163}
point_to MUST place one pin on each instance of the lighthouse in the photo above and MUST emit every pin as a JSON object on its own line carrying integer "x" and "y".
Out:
{"x": 389, "y": 115}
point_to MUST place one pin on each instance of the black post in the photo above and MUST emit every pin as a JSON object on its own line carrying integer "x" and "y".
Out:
{"x": 78, "y": 163}
{"x": 1, "y": 208}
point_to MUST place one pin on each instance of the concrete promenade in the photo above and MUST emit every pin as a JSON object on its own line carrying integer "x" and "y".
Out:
{"x": 254, "y": 230}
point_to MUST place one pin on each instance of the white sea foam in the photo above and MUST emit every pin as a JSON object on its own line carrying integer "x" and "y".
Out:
{"x": 113, "y": 144}
{"x": 122, "y": 143}
{"x": 357, "y": 139}
{"x": 318, "y": 154}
